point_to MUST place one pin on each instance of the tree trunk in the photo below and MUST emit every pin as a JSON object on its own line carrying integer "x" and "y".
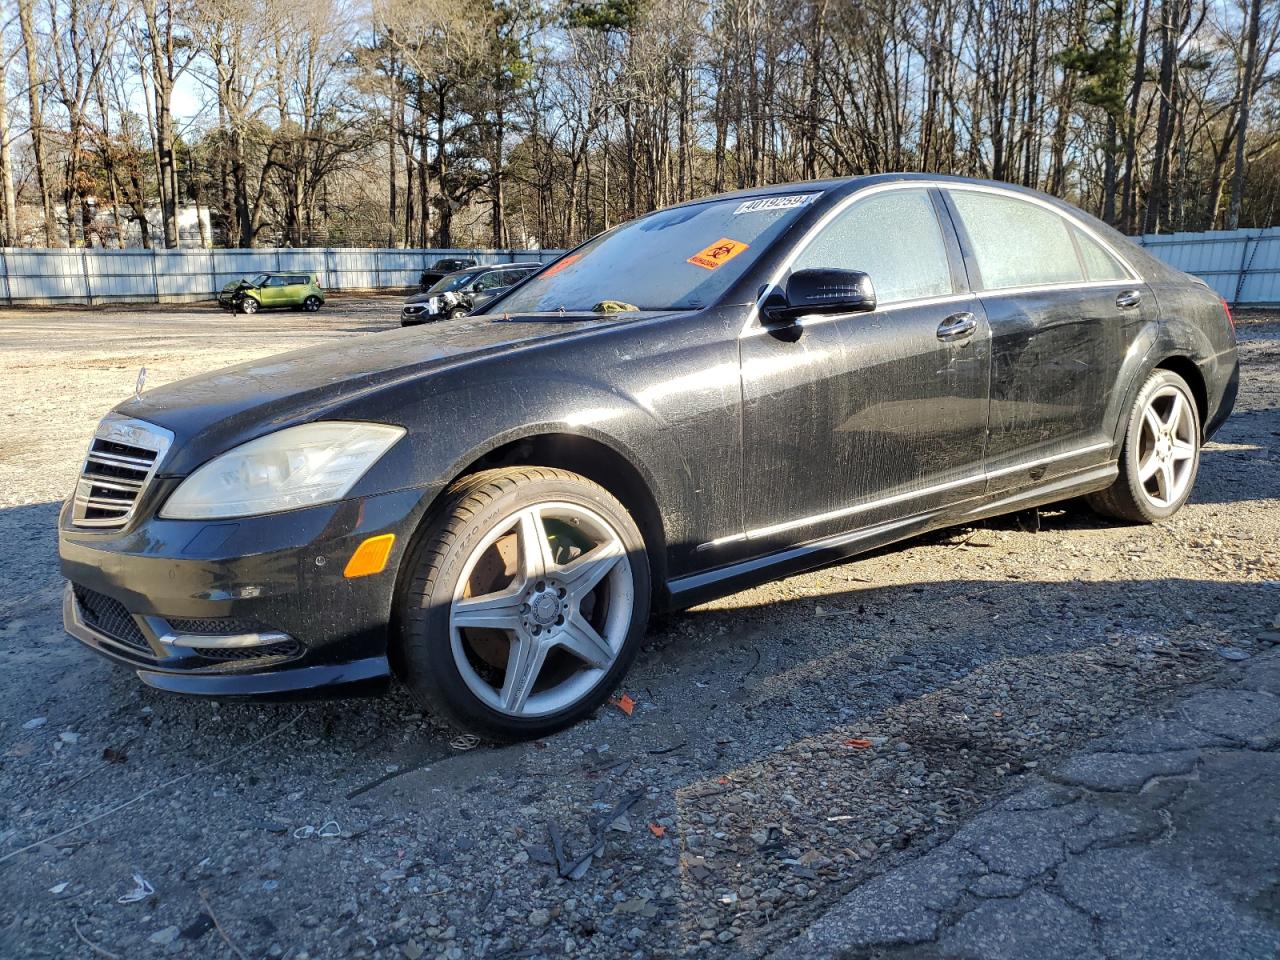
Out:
{"x": 35, "y": 79}
{"x": 1242, "y": 126}
{"x": 9, "y": 236}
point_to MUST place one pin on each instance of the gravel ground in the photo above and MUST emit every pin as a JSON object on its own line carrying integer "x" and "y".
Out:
{"x": 788, "y": 743}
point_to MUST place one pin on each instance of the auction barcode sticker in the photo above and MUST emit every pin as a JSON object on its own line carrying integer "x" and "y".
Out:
{"x": 786, "y": 202}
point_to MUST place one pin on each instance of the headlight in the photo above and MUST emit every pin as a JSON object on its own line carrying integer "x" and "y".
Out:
{"x": 296, "y": 467}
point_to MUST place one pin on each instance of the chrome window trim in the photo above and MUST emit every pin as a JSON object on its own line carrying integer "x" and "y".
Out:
{"x": 981, "y": 476}
{"x": 752, "y": 326}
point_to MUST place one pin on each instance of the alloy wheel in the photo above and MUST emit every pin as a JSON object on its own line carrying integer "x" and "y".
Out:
{"x": 1166, "y": 446}
{"x": 542, "y": 609}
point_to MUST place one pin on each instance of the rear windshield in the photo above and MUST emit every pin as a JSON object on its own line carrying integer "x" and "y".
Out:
{"x": 677, "y": 259}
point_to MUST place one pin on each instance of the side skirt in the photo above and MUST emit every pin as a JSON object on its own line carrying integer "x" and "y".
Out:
{"x": 697, "y": 588}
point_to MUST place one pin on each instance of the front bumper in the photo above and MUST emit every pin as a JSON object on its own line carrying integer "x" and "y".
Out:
{"x": 255, "y": 606}
{"x": 408, "y": 319}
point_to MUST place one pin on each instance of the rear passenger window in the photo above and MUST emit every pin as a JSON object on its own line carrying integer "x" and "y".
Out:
{"x": 894, "y": 238}
{"x": 1098, "y": 264}
{"x": 1017, "y": 244}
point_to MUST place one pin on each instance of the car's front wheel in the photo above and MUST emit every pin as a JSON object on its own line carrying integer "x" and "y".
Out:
{"x": 311, "y": 304}
{"x": 1160, "y": 456}
{"x": 248, "y": 305}
{"x": 457, "y": 312}
{"x": 524, "y": 603}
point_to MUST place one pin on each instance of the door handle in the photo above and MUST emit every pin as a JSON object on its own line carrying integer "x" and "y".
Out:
{"x": 1128, "y": 298}
{"x": 958, "y": 326}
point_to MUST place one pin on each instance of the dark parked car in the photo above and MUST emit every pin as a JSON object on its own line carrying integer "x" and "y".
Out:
{"x": 703, "y": 399}
{"x": 463, "y": 292}
{"x": 437, "y": 270}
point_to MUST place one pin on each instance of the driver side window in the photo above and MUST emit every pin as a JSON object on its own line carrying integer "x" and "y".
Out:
{"x": 894, "y": 238}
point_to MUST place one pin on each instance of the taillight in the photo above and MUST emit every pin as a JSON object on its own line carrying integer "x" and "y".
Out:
{"x": 1227, "y": 310}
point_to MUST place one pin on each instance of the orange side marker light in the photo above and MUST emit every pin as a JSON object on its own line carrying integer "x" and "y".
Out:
{"x": 370, "y": 557}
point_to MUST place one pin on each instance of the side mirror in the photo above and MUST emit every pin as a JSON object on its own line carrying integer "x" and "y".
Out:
{"x": 820, "y": 292}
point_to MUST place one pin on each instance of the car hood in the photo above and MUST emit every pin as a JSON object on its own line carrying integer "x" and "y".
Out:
{"x": 213, "y": 412}
{"x": 235, "y": 285}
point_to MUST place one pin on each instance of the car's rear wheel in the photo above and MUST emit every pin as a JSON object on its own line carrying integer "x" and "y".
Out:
{"x": 523, "y": 604}
{"x": 311, "y": 304}
{"x": 1161, "y": 453}
{"x": 248, "y": 305}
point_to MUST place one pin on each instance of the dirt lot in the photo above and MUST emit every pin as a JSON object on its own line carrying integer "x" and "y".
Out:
{"x": 969, "y": 659}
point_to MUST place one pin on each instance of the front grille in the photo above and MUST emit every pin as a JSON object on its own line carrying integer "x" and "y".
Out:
{"x": 122, "y": 459}
{"x": 109, "y": 617}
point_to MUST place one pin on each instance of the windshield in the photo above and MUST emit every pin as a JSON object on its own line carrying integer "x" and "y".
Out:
{"x": 259, "y": 279}
{"x": 677, "y": 259}
{"x": 454, "y": 281}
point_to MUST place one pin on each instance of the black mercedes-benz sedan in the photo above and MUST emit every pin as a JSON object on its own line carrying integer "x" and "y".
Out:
{"x": 710, "y": 396}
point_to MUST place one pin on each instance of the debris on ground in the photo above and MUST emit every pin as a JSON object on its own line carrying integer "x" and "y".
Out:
{"x": 141, "y": 890}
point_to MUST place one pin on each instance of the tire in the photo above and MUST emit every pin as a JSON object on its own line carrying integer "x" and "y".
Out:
{"x": 1162, "y": 442}
{"x": 311, "y": 304}
{"x": 248, "y": 305}
{"x": 478, "y": 612}
{"x": 457, "y": 312}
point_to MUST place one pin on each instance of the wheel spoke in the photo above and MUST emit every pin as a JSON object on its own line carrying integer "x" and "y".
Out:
{"x": 496, "y": 611}
{"x": 584, "y": 572}
{"x": 1154, "y": 424}
{"x": 535, "y": 548}
{"x": 582, "y": 640}
{"x": 1148, "y": 467}
{"x": 1176, "y": 411}
{"x": 524, "y": 663}
{"x": 1182, "y": 450}
{"x": 1165, "y": 480}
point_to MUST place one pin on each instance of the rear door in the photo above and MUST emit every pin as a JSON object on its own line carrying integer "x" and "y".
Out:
{"x": 1064, "y": 310}
{"x": 868, "y": 418}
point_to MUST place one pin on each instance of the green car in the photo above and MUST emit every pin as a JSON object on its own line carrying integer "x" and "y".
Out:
{"x": 300, "y": 291}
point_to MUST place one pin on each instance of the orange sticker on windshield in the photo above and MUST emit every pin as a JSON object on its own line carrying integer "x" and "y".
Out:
{"x": 560, "y": 264}
{"x": 720, "y": 252}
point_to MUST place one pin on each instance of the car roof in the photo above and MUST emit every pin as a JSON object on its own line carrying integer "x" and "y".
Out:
{"x": 844, "y": 185}
{"x": 489, "y": 267}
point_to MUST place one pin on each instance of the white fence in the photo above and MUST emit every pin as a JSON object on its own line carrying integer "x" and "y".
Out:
{"x": 1243, "y": 266}
{"x": 45, "y": 276}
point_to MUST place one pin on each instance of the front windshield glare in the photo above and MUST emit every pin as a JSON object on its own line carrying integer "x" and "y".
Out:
{"x": 453, "y": 282}
{"x": 259, "y": 280}
{"x": 677, "y": 259}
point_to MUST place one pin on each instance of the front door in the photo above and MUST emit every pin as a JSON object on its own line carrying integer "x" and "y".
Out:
{"x": 868, "y": 418}
{"x": 272, "y": 291}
